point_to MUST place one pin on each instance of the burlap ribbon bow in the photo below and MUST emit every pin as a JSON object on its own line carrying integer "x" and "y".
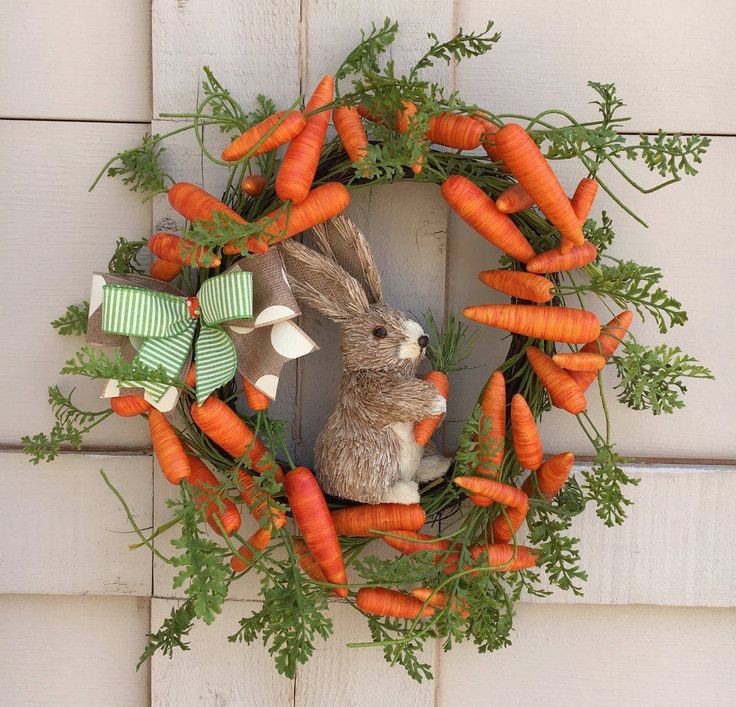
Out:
{"x": 244, "y": 317}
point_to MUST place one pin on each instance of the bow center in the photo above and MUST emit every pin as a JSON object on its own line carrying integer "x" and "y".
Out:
{"x": 193, "y": 305}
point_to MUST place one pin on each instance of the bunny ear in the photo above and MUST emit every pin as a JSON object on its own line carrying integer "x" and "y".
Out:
{"x": 322, "y": 284}
{"x": 340, "y": 239}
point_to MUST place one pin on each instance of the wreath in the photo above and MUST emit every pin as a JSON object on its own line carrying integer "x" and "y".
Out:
{"x": 227, "y": 289}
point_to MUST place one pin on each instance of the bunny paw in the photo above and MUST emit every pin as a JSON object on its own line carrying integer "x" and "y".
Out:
{"x": 403, "y": 492}
{"x": 431, "y": 468}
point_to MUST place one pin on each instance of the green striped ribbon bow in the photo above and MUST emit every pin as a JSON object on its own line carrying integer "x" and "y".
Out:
{"x": 167, "y": 327}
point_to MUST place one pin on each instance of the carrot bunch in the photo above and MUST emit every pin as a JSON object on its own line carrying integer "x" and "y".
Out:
{"x": 361, "y": 521}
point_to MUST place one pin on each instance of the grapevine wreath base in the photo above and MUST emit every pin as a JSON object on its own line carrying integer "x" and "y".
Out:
{"x": 497, "y": 519}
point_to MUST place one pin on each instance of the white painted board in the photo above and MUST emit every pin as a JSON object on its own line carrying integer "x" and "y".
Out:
{"x": 64, "y": 530}
{"x": 73, "y": 651}
{"x": 81, "y": 60}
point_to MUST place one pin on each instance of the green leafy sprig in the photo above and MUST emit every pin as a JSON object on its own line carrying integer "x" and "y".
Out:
{"x": 74, "y": 321}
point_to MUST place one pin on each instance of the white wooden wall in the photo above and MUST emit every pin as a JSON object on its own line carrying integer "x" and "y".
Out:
{"x": 83, "y": 79}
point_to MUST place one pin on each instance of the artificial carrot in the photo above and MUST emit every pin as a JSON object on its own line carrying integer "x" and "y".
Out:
{"x": 359, "y": 521}
{"x": 460, "y": 132}
{"x": 296, "y": 174}
{"x": 514, "y": 199}
{"x": 308, "y": 563}
{"x": 551, "y": 476}
{"x": 525, "y": 434}
{"x": 353, "y": 136}
{"x": 165, "y": 270}
{"x": 583, "y": 198}
{"x": 424, "y": 429}
{"x": 563, "y": 391}
{"x": 606, "y": 344}
{"x": 412, "y": 541}
{"x": 202, "y": 479}
{"x": 572, "y": 326}
{"x": 225, "y": 428}
{"x": 504, "y": 527}
{"x": 195, "y": 204}
{"x": 388, "y": 602}
{"x": 526, "y": 162}
{"x": 191, "y": 377}
{"x": 493, "y": 410}
{"x": 494, "y": 491}
{"x": 506, "y": 558}
{"x": 322, "y": 203}
{"x": 313, "y": 518}
{"x": 253, "y": 184}
{"x": 403, "y": 118}
{"x": 488, "y": 141}
{"x": 522, "y": 285}
{"x": 129, "y": 405}
{"x": 556, "y": 261}
{"x": 255, "y": 544}
{"x": 260, "y": 502}
{"x": 439, "y": 600}
{"x": 168, "y": 448}
{"x": 255, "y": 399}
{"x": 168, "y": 246}
{"x": 477, "y": 209}
{"x": 283, "y": 126}
{"x": 580, "y": 361}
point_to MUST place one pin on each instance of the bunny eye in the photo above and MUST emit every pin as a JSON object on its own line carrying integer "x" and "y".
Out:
{"x": 379, "y": 332}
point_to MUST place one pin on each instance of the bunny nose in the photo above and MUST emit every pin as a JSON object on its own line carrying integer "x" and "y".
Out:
{"x": 423, "y": 341}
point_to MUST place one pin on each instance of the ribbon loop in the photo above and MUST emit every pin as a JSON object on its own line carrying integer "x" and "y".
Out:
{"x": 133, "y": 311}
{"x": 226, "y": 297}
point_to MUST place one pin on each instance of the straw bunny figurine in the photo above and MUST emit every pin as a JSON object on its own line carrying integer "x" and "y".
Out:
{"x": 366, "y": 451}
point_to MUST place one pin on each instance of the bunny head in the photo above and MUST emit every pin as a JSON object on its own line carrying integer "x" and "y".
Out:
{"x": 342, "y": 282}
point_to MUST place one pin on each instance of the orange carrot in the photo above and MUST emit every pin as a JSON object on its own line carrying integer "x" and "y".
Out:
{"x": 477, "y": 209}
{"x": 253, "y": 184}
{"x": 322, "y": 203}
{"x": 580, "y": 361}
{"x": 459, "y": 132}
{"x": 169, "y": 247}
{"x": 308, "y": 563}
{"x": 191, "y": 377}
{"x": 165, "y": 270}
{"x": 353, "y": 136}
{"x": 563, "y": 391}
{"x": 495, "y": 491}
{"x": 605, "y": 345}
{"x": 527, "y": 444}
{"x": 551, "y": 476}
{"x": 255, "y": 399}
{"x": 363, "y": 112}
{"x": 359, "y": 521}
{"x": 583, "y": 198}
{"x": 513, "y": 200}
{"x": 315, "y": 524}
{"x": 225, "y": 428}
{"x": 388, "y": 602}
{"x": 526, "y": 162}
{"x": 504, "y": 527}
{"x": 129, "y": 405}
{"x": 493, "y": 408}
{"x": 256, "y": 543}
{"x": 402, "y": 120}
{"x": 556, "y": 261}
{"x": 195, "y": 204}
{"x": 438, "y": 600}
{"x": 572, "y": 326}
{"x": 168, "y": 448}
{"x": 296, "y": 174}
{"x": 424, "y": 429}
{"x": 522, "y": 285}
{"x": 292, "y": 123}
{"x": 259, "y": 502}
{"x": 202, "y": 479}
{"x": 488, "y": 140}
{"x": 412, "y": 542}
{"x": 506, "y": 558}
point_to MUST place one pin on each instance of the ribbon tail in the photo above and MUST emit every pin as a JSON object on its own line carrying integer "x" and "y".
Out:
{"x": 216, "y": 360}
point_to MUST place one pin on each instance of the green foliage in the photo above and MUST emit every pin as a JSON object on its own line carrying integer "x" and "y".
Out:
{"x": 605, "y": 483}
{"x": 403, "y": 570}
{"x": 669, "y": 155}
{"x": 74, "y": 321}
{"x": 292, "y": 616}
{"x": 449, "y": 344}
{"x": 223, "y": 107}
{"x": 70, "y": 426}
{"x": 600, "y": 235}
{"x": 202, "y": 564}
{"x": 140, "y": 167}
{"x": 364, "y": 58}
{"x": 608, "y": 102}
{"x": 653, "y": 378}
{"x": 490, "y": 602}
{"x": 95, "y": 363}
{"x": 171, "y": 635}
{"x": 399, "y": 646}
{"x": 124, "y": 260}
